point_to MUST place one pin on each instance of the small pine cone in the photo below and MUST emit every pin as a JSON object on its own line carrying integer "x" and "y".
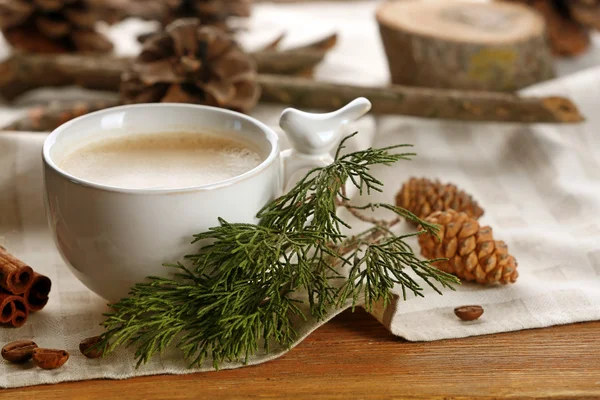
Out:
{"x": 472, "y": 252}
{"x": 52, "y": 26}
{"x": 424, "y": 196}
{"x": 190, "y": 63}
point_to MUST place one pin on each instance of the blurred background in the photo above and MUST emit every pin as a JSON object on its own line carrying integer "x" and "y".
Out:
{"x": 486, "y": 45}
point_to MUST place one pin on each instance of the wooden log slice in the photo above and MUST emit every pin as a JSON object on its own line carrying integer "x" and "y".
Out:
{"x": 464, "y": 45}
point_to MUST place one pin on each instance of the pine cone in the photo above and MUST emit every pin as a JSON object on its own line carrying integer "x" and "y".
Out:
{"x": 472, "y": 253}
{"x": 210, "y": 12}
{"x": 52, "y": 26}
{"x": 115, "y": 11}
{"x": 424, "y": 196}
{"x": 567, "y": 36}
{"x": 586, "y": 12}
{"x": 189, "y": 63}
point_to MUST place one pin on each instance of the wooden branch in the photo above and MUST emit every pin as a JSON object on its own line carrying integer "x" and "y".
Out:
{"x": 301, "y": 60}
{"x": 420, "y": 102}
{"x": 304, "y": 93}
{"x": 24, "y": 72}
{"x": 47, "y": 118}
{"x": 287, "y": 63}
{"x": 325, "y": 44}
{"x": 273, "y": 44}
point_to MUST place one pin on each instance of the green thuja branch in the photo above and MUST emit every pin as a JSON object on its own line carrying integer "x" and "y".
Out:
{"x": 248, "y": 282}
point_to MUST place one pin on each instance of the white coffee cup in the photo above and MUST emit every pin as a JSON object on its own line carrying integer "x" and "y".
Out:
{"x": 112, "y": 238}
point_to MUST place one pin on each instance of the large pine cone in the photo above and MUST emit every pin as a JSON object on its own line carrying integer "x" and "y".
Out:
{"x": 52, "y": 26}
{"x": 213, "y": 12}
{"x": 424, "y": 196}
{"x": 210, "y": 12}
{"x": 190, "y": 63}
{"x": 472, "y": 252}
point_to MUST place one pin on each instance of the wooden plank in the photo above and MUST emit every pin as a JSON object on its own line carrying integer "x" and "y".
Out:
{"x": 355, "y": 357}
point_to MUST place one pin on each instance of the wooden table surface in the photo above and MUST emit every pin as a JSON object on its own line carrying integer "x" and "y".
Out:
{"x": 354, "y": 356}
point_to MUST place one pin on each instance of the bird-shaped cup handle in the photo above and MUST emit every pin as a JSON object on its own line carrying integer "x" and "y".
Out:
{"x": 313, "y": 136}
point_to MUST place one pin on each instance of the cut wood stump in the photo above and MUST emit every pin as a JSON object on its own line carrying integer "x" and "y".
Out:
{"x": 464, "y": 45}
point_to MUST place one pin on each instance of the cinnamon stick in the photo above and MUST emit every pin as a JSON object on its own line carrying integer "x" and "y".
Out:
{"x": 7, "y": 307}
{"x": 23, "y": 290}
{"x": 15, "y": 275}
{"x": 21, "y": 313}
{"x": 13, "y": 310}
{"x": 36, "y": 296}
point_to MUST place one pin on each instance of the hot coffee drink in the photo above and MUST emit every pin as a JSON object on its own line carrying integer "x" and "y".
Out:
{"x": 162, "y": 161}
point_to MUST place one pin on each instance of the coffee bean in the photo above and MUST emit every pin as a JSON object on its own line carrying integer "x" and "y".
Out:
{"x": 50, "y": 358}
{"x": 85, "y": 347}
{"x": 468, "y": 313}
{"x": 19, "y": 351}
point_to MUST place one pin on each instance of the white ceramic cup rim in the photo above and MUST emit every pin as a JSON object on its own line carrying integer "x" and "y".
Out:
{"x": 269, "y": 133}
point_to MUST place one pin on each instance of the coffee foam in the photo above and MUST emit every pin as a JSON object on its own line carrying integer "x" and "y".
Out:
{"x": 162, "y": 161}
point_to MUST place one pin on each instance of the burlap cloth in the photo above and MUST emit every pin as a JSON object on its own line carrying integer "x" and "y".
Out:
{"x": 540, "y": 186}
